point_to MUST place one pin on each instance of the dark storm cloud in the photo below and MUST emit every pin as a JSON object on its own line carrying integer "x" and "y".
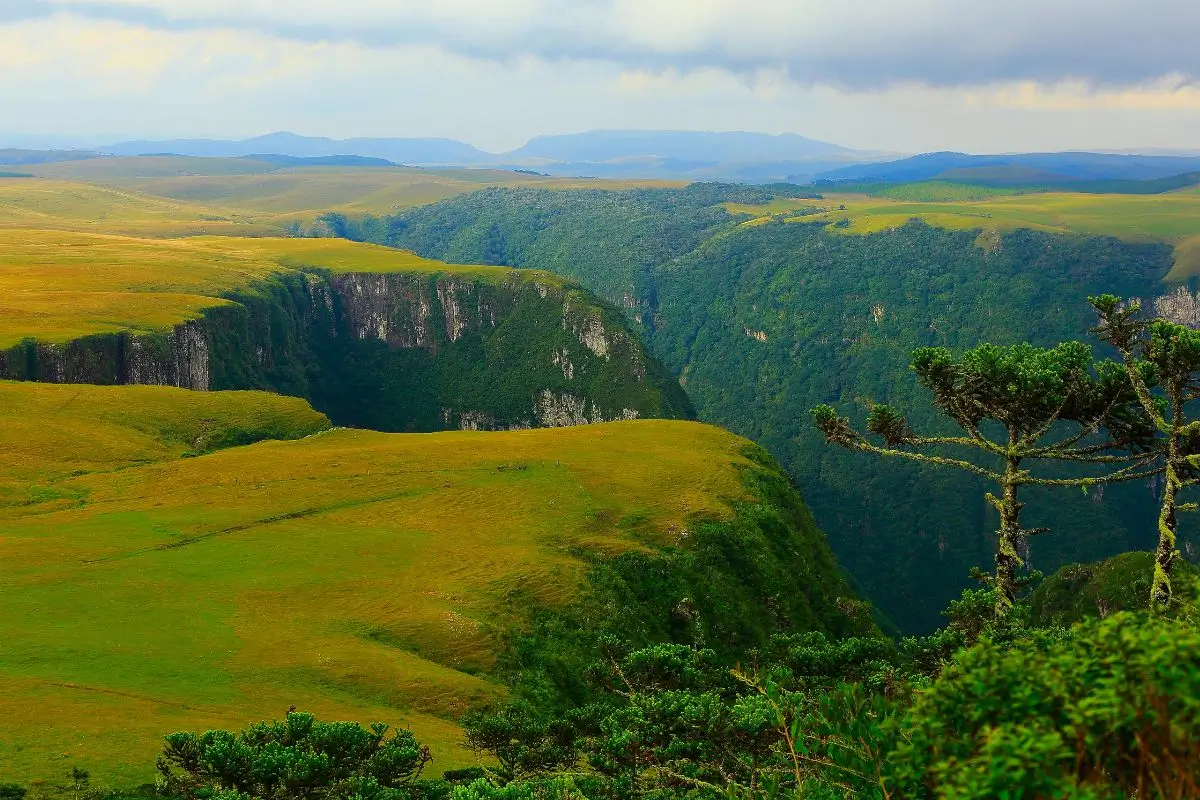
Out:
{"x": 851, "y": 43}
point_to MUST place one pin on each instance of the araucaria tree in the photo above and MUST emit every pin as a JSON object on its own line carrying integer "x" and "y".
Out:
{"x": 1016, "y": 406}
{"x": 1161, "y": 354}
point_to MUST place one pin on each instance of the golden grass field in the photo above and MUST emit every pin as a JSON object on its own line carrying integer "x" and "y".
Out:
{"x": 56, "y": 286}
{"x": 357, "y": 574}
{"x": 273, "y": 195}
{"x": 1172, "y": 217}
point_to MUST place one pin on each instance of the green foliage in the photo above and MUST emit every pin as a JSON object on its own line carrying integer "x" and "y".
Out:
{"x": 1164, "y": 354}
{"x": 1112, "y": 710}
{"x": 672, "y": 722}
{"x": 12, "y": 791}
{"x": 1109, "y": 709}
{"x": 522, "y": 740}
{"x": 1029, "y": 394}
{"x": 297, "y": 758}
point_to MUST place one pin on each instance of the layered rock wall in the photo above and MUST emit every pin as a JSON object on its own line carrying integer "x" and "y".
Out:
{"x": 396, "y": 351}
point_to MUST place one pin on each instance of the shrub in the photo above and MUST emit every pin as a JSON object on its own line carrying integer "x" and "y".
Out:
{"x": 297, "y": 758}
{"x": 1110, "y": 710}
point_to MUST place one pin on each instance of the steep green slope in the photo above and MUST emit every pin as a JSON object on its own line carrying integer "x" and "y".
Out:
{"x": 373, "y": 337}
{"x": 360, "y": 575}
{"x": 763, "y": 321}
{"x": 1121, "y": 583}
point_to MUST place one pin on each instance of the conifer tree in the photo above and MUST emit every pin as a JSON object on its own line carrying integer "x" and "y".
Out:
{"x": 1016, "y": 406}
{"x": 1158, "y": 353}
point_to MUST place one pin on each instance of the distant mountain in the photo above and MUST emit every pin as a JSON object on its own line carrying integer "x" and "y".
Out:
{"x": 399, "y": 151}
{"x": 320, "y": 161}
{"x": 681, "y": 169}
{"x": 679, "y": 155}
{"x": 608, "y": 146}
{"x": 12, "y": 156}
{"x": 1018, "y": 168}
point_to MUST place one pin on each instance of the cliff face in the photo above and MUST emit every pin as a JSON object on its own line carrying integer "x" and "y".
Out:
{"x": 395, "y": 351}
{"x": 1179, "y": 306}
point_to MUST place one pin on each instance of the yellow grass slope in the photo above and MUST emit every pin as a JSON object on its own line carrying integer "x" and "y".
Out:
{"x": 53, "y": 432}
{"x": 1172, "y": 217}
{"x": 56, "y": 286}
{"x": 274, "y": 195}
{"x": 38, "y": 204}
{"x": 358, "y": 574}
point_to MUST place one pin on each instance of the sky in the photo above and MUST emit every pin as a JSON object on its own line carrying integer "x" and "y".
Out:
{"x": 885, "y": 75}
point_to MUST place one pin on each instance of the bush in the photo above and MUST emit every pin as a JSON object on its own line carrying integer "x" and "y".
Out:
{"x": 297, "y": 758}
{"x": 1110, "y": 710}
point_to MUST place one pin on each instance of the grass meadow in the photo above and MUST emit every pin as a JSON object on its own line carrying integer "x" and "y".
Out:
{"x": 273, "y": 195}
{"x": 357, "y": 574}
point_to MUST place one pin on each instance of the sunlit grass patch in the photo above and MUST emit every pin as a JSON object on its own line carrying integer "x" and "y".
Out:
{"x": 359, "y": 574}
{"x": 56, "y": 286}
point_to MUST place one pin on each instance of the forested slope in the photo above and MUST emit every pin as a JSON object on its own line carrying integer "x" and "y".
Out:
{"x": 762, "y": 322}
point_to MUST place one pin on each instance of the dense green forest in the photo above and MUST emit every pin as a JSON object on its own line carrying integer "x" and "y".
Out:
{"x": 762, "y": 322}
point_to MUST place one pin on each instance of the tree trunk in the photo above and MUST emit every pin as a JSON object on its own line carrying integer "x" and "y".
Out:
{"x": 1160, "y": 586}
{"x": 1008, "y": 560}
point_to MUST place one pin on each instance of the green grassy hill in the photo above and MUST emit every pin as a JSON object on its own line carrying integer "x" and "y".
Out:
{"x": 357, "y": 574}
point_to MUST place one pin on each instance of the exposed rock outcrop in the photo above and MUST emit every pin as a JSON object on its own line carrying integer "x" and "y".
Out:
{"x": 394, "y": 351}
{"x": 1179, "y": 306}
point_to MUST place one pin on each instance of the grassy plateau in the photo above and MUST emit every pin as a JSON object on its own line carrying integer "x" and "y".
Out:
{"x": 56, "y": 286}
{"x": 1173, "y": 217}
{"x": 273, "y": 195}
{"x": 357, "y": 574}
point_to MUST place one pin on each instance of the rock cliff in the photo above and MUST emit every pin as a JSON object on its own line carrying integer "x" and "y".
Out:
{"x": 393, "y": 351}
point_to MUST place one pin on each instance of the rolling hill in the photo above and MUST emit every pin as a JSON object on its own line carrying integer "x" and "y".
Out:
{"x": 401, "y": 151}
{"x": 259, "y": 190}
{"x": 617, "y": 154}
{"x": 357, "y": 574}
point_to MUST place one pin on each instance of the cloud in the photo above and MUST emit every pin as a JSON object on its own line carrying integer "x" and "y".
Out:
{"x": 135, "y": 70}
{"x": 858, "y": 44}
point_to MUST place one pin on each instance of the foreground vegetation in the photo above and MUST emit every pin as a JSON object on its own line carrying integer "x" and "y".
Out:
{"x": 984, "y": 708}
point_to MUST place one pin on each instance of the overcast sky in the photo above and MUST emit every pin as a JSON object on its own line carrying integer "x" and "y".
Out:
{"x": 911, "y": 75}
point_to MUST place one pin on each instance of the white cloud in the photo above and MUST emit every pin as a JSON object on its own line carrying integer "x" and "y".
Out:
{"x": 171, "y": 68}
{"x": 855, "y": 43}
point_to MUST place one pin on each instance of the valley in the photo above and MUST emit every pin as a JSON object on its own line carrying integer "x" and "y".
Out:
{"x": 764, "y": 316}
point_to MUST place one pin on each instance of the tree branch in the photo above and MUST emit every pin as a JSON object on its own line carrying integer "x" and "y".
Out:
{"x": 921, "y": 457}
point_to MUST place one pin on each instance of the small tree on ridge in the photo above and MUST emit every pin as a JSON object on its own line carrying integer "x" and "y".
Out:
{"x": 1031, "y": 394}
